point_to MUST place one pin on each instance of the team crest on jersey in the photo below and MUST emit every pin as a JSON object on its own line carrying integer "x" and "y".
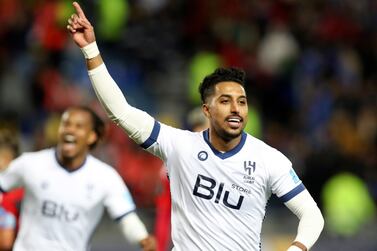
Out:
{"x": 202, "y": 155}
{"x": 249, "y": 168}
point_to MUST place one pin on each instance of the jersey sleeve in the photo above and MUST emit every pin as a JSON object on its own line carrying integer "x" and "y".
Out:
{"x": 284, "y": 181}
{"x": 118, "y": 200}
{"x": 162, "y": 140}
{"x": 12, "y": 177}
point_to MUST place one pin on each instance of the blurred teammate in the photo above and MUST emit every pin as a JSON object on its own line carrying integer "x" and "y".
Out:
{"x": 67, "y": 190}
{"x": 221, "y": 178}
{"x": 9, "y": 202}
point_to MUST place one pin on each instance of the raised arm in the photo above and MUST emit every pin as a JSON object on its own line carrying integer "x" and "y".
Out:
{"x": 137, "y": 124}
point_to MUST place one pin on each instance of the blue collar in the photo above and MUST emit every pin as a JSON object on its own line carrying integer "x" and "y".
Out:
{"x": 227, "y": 154}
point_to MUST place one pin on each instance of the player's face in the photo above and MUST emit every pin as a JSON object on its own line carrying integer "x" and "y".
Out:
{"x": 75, "y": 133}
{"x": 227, "y": 110}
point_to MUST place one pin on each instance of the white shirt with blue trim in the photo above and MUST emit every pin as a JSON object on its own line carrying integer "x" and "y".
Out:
{"x": 207, "y": 185}
{"x": 61, "y": 209}
{"x": 219, "y": 199}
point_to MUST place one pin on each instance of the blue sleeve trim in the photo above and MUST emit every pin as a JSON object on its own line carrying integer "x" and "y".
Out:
{"x": 117, "y": 219}
{"x": 154, "y": 135}
{"x": 286, "y": 197}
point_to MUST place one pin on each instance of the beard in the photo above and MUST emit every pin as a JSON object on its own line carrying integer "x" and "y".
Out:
{"x": 227, "y": 136}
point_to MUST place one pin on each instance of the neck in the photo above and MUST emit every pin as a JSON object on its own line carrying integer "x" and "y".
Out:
{"x": 71, "y": 163}
{"x": 223, "y": 144}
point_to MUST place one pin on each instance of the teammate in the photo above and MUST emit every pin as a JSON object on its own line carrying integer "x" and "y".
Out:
{"x": 9, "y": 202}
{"x": 67, "y": 190}
{"x": 221, "y": 178}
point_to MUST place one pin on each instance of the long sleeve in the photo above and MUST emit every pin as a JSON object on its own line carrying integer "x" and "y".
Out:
{"x": 137, "y": 123}
{"x": 311, "y": 219}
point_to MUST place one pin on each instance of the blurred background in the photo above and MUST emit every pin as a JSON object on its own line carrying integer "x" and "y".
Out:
{"x": 311, "y": 82}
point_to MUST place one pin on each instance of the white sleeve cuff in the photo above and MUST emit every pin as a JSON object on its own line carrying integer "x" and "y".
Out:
{"x": 132, "y": 228}
{"x": 294, "y": 248}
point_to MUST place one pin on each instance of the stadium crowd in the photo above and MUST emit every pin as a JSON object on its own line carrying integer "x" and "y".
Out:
{"x": 312, "y": 83}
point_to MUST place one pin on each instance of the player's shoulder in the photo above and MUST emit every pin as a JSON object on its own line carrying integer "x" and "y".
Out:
{"x": 99, "y": 166}
{"x": 258, "y": 143}
{"x": 272, "y": 158}
{"x": 37, "y": 155}
{"x": 262, "y": 147}
{"x": 173, "y": 130}
{"x": 177, "y": 133}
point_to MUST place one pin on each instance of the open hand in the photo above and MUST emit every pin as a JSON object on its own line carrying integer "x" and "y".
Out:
{"x": 80, "y": 28}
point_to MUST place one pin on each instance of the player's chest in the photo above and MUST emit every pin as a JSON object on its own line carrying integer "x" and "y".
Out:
{"x": 61, "y": 187}
{"x": 236, "y": 183}
{"x": 246, "y": 171}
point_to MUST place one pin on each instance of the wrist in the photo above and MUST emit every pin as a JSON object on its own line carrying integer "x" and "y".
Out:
{"x": 294, "y": 248}
{"x": 296, "y": 245}
{"x": 90, "y": 51}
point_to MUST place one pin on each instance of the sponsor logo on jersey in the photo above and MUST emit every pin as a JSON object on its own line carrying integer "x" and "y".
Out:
{"x": 208, "y": 189}
{"x": 249, "y": 168}
{"x": 202, "y": 155}
{"x": 241, "y": 189}
{"x": 58, "y": 211}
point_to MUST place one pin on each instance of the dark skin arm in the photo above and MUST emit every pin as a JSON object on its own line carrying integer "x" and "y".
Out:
{"x": 7, "y": 238}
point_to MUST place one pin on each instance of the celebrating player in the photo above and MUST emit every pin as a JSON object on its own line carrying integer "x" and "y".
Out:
{"x": 221, "y": 178}
{"x": 67, "y": 190}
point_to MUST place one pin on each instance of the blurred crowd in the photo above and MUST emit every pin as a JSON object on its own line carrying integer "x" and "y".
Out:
{"x": 311, "y": 67}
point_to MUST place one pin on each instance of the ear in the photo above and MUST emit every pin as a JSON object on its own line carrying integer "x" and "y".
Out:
{"x": 205, "y": 109}
{"x": 92, "y": 138}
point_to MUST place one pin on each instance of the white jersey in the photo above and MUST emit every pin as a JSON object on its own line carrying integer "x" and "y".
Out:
{"x": 219, "y": 199}
{"x": 61, "y": 209}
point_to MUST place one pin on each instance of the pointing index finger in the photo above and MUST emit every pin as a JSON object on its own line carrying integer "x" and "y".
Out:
{"x": 78, "y": 9}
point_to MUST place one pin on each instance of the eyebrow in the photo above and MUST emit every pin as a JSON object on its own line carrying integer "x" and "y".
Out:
{"x": 230, "y": 96}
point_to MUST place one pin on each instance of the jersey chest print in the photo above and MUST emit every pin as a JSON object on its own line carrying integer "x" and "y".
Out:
{"x": 215, "y": 190}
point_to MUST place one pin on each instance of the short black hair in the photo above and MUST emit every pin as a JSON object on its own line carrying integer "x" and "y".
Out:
{"x": 98, "y": 124}
{"x": 206, "y": 87}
